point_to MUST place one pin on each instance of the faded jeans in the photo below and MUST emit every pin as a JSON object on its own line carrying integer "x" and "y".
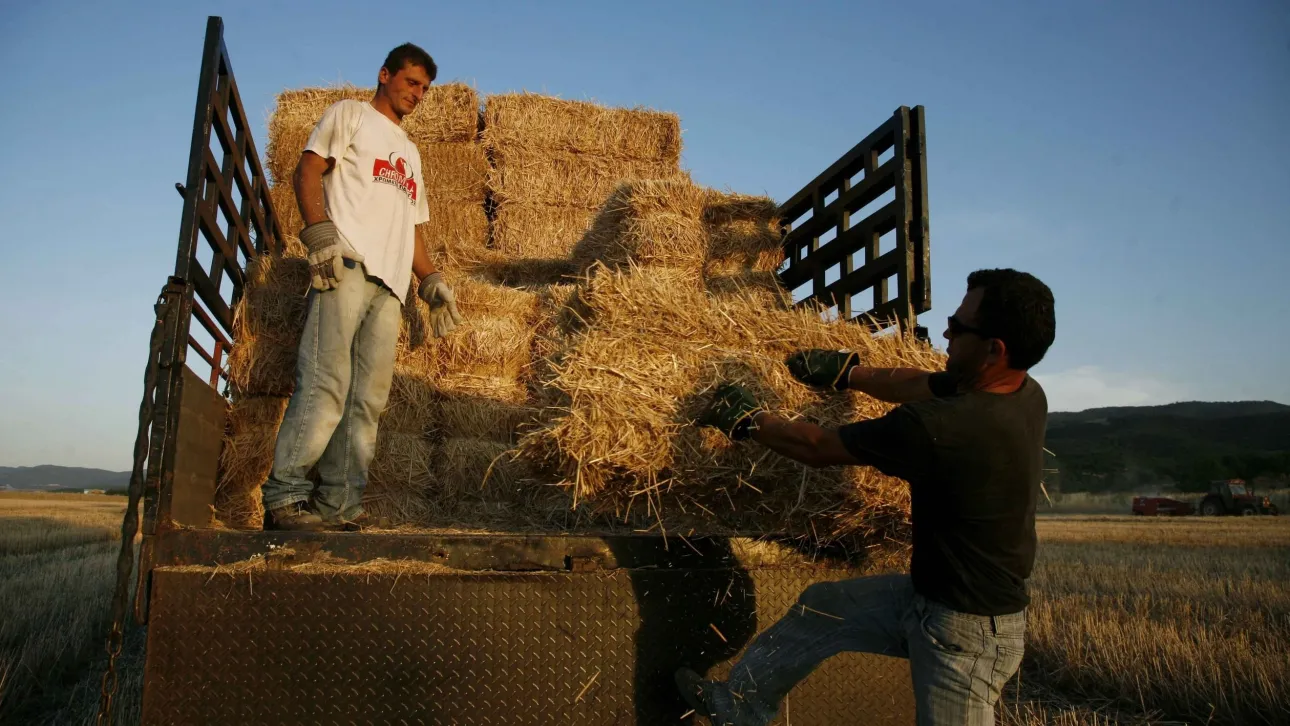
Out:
{"x": 344, "y": 370}
{"x": 959, "y": 662}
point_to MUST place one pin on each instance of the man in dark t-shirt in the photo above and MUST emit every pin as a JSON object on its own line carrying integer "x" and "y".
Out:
{"x": 969, "y": 440}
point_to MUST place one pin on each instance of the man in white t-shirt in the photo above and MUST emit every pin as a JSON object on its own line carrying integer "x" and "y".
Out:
{"x": 359, "y": 187}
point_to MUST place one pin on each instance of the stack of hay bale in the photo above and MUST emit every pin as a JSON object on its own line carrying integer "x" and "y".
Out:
{"x": 726, "y": 243}
{"x": 267, "y": 323}
{"x": 610, "y": 297}
{"x": 554, "y": 163}
{"x": 678, "y": 295}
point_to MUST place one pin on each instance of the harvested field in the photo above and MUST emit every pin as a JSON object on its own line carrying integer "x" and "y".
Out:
{"x": 57, "y": 570}
{"x": 1157, "y": 621}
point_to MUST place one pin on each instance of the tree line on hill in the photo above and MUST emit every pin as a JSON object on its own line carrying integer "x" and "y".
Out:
{"x": 1183, "y": 446}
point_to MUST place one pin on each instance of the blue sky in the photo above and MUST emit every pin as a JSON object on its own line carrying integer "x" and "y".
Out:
{"x": 1131, "y": 154}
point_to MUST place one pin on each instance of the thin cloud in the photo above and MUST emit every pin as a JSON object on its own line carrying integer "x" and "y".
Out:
{"x": 1093, "y": 387}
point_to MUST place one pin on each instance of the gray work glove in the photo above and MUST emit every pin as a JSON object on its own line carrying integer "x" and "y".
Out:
{"x": 326, "y": 254}
{"x": 443, "y": 304}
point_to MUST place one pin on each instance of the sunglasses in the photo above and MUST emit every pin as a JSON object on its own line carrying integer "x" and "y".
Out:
{"x": 958, "y": 327}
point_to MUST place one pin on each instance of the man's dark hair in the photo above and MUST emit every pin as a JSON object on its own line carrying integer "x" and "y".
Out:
{"x": 409, "y": 53}
{"x": 1018, "y": 309}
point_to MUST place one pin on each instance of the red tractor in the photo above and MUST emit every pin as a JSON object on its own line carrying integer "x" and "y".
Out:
{"x": 1232, "y": 496}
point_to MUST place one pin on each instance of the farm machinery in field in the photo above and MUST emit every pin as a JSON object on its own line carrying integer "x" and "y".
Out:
{"x": 1229, "y": 496}
{"x": 1234, "y": 496}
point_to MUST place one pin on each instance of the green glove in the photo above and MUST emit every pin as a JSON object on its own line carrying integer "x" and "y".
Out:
{"x": 732, "y": 410}
{"x": 823, "y": 368}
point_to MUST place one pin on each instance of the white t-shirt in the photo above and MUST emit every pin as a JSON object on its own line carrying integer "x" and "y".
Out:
{"x": 374, "y": 194}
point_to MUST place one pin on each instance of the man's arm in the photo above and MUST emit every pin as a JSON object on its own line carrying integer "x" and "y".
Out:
{"x": 840, "y": 370}
{"x": 801, "y": 441}
{"x": 422, "y": 264}
{"x": 899, "y": 385}
{"x": 307, "y": 182}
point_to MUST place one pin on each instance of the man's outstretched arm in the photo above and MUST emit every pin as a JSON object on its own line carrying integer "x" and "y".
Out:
{"x": 802, "y": 441}
{"x": 896, "y": 444}
{"x": 841, "y": 370}
{"x": 898, "y": 385}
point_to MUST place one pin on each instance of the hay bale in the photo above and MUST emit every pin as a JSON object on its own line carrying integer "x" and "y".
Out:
{"x": 723, "y": 207}
{"x": 400, "y": 481}
{"x": 477, "y": 417}
{"x": 267, "y": 324}
{"x": 246, "y": 460}
{"x": 456, "y": 235}
{"x": 639, "y": 376}
{"x": 528, "y": 176}
{"x": 522, "y": 232}
{"x": 494, "y": 339}
{"x": 648, "y": 223}
{"x": 454, "y": 172}
{"x": 543, "y": 122}
{"x": 480, "y": 469}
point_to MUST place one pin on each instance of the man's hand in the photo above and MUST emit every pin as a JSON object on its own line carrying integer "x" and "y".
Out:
{"x": 823, "y": 368}
{"x": 443, "y": 304}
{"x": 732, "y": 411}
{"x": 326, "y": 260}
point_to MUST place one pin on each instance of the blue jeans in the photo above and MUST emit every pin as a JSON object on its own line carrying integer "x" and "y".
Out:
{"x": 959, "y": 662}
{"x": 344, "y": 370}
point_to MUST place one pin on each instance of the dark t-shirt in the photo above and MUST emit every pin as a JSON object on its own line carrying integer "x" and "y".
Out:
{"x": 973, "y": 462}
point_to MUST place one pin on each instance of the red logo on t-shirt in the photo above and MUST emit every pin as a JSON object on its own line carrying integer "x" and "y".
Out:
{"x": 395, "y": 172}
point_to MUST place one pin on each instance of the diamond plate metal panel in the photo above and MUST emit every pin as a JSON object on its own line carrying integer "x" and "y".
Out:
{"x": 478, "y": 648}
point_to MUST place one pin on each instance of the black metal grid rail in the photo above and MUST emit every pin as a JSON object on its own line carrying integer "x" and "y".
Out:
{"x": 836, "y": 222}
{"x": 228, "y": 217}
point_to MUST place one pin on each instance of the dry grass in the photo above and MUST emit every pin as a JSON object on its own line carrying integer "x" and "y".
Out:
{"x": 57, "y": 570}
{"x": 1159, "y": 620}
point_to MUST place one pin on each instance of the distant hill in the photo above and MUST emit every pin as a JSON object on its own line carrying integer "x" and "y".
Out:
{"x": 1184, "y": 444}
{"x": 48, "y": 477}
{"x": 1188, "y": 409}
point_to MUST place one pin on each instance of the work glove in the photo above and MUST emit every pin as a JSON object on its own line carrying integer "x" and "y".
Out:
{"x": 443, "y": 304}
{"x": 823, "y": 368}
{"x": 326, "y": 254}
{"x": 732, "y": 410}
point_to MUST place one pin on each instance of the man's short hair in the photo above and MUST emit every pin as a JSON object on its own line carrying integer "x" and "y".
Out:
{"x": 407, "y": 53}
{"x": 1018, "y": 309}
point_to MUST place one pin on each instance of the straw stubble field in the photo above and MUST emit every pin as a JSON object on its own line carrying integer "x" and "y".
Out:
{"x": 1134, "y": 621}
